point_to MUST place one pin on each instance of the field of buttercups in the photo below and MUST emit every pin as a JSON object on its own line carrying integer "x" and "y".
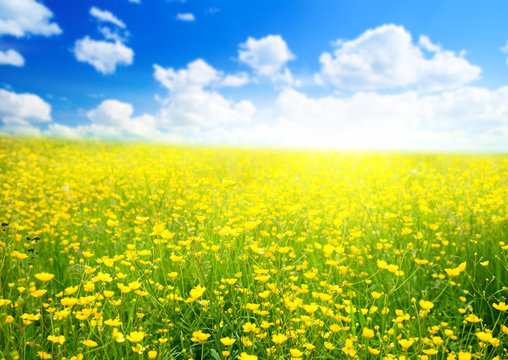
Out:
{"x": 142, "y": 251}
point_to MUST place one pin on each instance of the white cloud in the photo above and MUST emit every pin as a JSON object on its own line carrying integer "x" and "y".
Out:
{"x": 456, "y": 119}
{"x": 62, "y": 131}
{"x": 11, "y": 57}
{"x": 135, "y": 1}
{"x": 428, "y": 45}
{"x": 111, "y": 119}
{"x": 104, "y": 56}
{"x": 469, "y": 118}
{"x": 385, "y": 57}
{"x": 268, "y": 56}
{"x": 191, "y": 103}
{"x": 198, "y": 74}
{"x": 114, "y": 35}
{"x": 203, "y": 109}
{"x": 115, "y": 118}
{"x": 106, "y": 16}
{"x": 185, "y": 17}
{"x": 24, "y": 17}
{"x": 235, "y": 80}
{"x": 22, "y": 110}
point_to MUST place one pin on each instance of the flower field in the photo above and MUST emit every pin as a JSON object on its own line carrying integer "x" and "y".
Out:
{"x": 141, "y": 251}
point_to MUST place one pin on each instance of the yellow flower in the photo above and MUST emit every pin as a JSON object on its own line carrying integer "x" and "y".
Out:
{"x": 119, "y": 337}
{"x": 69, "y": 301}
{"x": 279, "y": 338}
{"x": 18, "y": 255}
{"x": 138, "y": 349}
{"x": 309, "y": 346}
{"x": 227, "y": 341}
{"x": 335, "y": 328}
{"x": 5, "y": 302}
{"x": 251, "y": 306}
{"x": 464, "y": 355}
{"x": 135, "y": 336}
{"x": 426, "y": 305}
{"x": 44, "y": 276}
{"x": 248, "y": 327}
{"x": 406, "y": 343}
{"x": 38, "y": 293}
{"x": 175, "y": 258}
{"x": 473, "y": 318}
{"x": 134, "y": 285}
{"x": 113, "y": 323}
{"x": 56, "y": 339}
{"x": 89, "y": 343}
{"x": 310, "y": 308}
{"x": 195, "y": 293}
{"x": 44, "y": 355}
{"x": 501, "y": 306}
{"x": 329, "y": 346}
{"x": 430, "y": 351}
{"x": 152, "y": 354}
{"x": 368, "y": 333}
{"x": 70, "y": 290}
{"x": 392, "y": 268}
{"x": 245, "y": 356}
{"x": 373, "y": 351}
{"x": 296, "y": 353}
{"x": 349, "y": 348}
{"x": 456, "y": 271}
{"x": 376, "y": 295}
{"x": 483, "y": 336}
{"x": 199, "y": 336}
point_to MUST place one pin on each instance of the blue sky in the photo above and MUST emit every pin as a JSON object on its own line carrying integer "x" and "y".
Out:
{"x": 335, "y": 74}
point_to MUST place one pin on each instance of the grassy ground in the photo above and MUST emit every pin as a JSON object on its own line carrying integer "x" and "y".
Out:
{"x": 134, "y": 251}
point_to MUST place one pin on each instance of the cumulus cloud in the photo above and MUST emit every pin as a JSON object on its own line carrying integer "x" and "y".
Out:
{"x": 21, "y": 18}
{"x": 113, "y": 34}
{"x": 11, "y": 57}
{"x": 461, "y": 119}
{"x": 386, "y": 57}
{"x": 191, "y": 102}
{"x": 197, "y": 75}
{"x": 104, "y": 56}
{"x": 106, "y": 16}
{"x": 468, "y": 118}
{"x": 23, "y": 109}
{"x": 267, "y": 56}
{"x": 111, "y": 119}
{"x": 115, "y": 117}
{"x": 236, "y": 80}
{"x": 455, "y": 119}
{"x": 24, "y": 17}
{"x": 185, "y": 17}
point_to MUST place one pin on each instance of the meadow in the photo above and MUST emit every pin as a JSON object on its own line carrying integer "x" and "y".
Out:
{"x": 141, "y": 251}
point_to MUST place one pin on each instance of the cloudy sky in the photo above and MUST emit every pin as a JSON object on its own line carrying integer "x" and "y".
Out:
{"x": 418, "y": 75}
